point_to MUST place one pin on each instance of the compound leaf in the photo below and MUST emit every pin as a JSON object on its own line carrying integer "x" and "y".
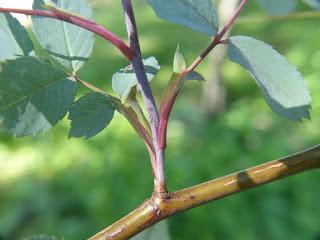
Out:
{"x": 18, "y": 36}
{"x": 279, "y": 7}
{"x": 125, "y": 79}
{"x": 34, "y": 95}
{"x": 281, "y": 84}
{"x": 71, "y": 45}
{"x": 90, "y": 115}
{"x": 199, "y": 15}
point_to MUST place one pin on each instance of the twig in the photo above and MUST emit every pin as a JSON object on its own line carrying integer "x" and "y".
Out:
{"x": 156, "y": 209}
{"x": 218, "y": 38}
{"x": 166, "y": 110}
{"x": 137, "y": 64}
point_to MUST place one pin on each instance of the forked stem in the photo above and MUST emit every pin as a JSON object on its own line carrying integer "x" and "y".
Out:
{"x": 166, "y": 111}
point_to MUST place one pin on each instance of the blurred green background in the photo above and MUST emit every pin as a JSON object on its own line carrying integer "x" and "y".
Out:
{"x": 73, "y": 188}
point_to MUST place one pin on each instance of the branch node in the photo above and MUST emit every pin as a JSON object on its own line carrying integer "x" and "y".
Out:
{"x": 161, "y": 192}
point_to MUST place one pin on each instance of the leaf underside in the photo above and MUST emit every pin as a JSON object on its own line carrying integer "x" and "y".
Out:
{"x": 281, "y": 84}
{"x": 6, "y": 47}
{"x": 125, "y": 79}
{"x": 279, "y": 7}
{"x": 90, "y": 115}
{"x": 34, "y": 95}
{"x": 199, "y": 15}
{"x": 69, "y": 44}
{"x": 17, "y": 35}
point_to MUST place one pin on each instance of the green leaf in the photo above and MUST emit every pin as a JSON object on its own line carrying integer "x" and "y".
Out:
{"x": 90, "y": 115}
{"x": 34, "y": 95}
{"x": 177, "y": 80}
{"x": 41, "y": 237}
{"x": 160, "y": 231}
{"x": 280, "y": 82}
{"x": 193, "y": 75}
{"x": 17, "y": 34}
{"x": 125, "y": 79}
{"x": 313, "y": 3}
{"x": 279, "y": 7}
{"x": 199, "y": 15}
{"x": 69, "y": 44}
{"x": 179, "y": 64}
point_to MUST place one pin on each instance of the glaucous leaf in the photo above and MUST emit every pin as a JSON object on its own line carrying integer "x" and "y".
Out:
{"x": 34, "y": 95}
{"x": 313, "y": 3}
{"x": 281, "y": 84}
{"x": 279, "y": 7}
{"x": 159, "y": 231}
{"x": 69, "y": 44}
{"x": 6, "y": 47}
{"x": 17, "y": 34}
{"x": 90, "y": 114}
{"x": 125, "y": 79}
{"x": 199, "y": 15}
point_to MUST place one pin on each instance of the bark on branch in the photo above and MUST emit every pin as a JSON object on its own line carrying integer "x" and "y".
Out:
{"x": 156, "y": 209}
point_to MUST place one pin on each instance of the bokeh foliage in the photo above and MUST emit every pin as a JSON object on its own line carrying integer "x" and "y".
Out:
{"x": 74, "y": 188}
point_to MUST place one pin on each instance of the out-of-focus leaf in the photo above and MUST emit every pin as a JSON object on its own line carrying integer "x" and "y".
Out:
{"x": 125, "y": 79}
{"x": 90, "y": 115}
{"x": 69, "y": 44}
{"x": 160, "y": 231}
{"x": 199, "y": 15}
{"x": 279, "y": 7}
{"x": 34, "y": 95}
{"x": 314, "y": 3}
{"x": 281, "y": 84}
{"x": 17, "y": 35}
{"x": 41, "y": 237}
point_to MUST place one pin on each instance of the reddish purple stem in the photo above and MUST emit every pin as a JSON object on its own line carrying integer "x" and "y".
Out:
{"x": 165, "y": 114}
{"x": 81, "y": 22}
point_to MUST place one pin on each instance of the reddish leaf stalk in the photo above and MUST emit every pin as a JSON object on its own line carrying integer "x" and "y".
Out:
{"x": 217, "y": 38}
{"x": 81, "y": 22}
{"x": 165, "y": 112}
